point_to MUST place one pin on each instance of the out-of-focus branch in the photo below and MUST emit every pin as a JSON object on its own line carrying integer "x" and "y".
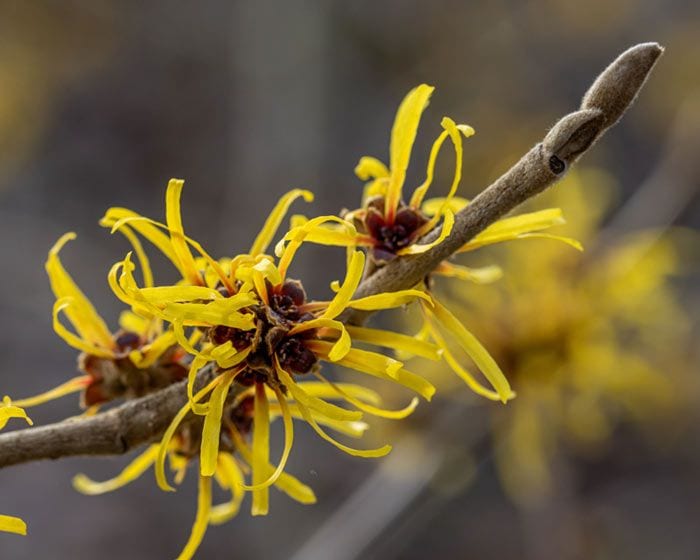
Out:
{"x": 144, "y": 420}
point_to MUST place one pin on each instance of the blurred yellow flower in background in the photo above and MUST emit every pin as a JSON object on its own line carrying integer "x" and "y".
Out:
{"x": 590, "y": 340}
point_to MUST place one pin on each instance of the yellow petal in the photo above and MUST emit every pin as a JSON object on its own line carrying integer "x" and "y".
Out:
{"x": 456, "y": 137}
{"x": 368, "y": 408}
{"x": 164, "y": 445}
{"x": 173, "y": 218}
{"x": 131, "y": 322}
{"x": 566, "y": 240}
{"x": 201, "y": 520}
{"x": 433, "y": 206}
{"x": 10, "y": 524}
{"x": 323, "y": 390}
{"x": 473, "y": 348}
{"x": 71, "y": 386}
{"x": 340, "y": 346}
{"x": 387, "y": 300}
{"x": 140, "y": 254}
{"x": 327, "y": 409}
{"x": 396, "y": 341}
{"x": 9, "y": 410}
{"x": 230, "y": 472}
{"x": 353, "y": 276}
{"x": 515, "y": 226}
{"x": 483, "y": 275}
{"x": 288, "y": 442}
{"x": 149, "y": 354}
{"x": 378, "y": 366}
{"x": 81, "y": 313}
{"x": 261, "y": 450}
{"x": 299, "y": 235}
{"x": 142, "y": 225}
{"x": 370, "y": 168}
{"x": 308, "y": 417}
{"x": 403, "y": 134}
{"x": 286, "y": 483}
{"x": 267, "y": 234}
{"x": 211, "y": 432}
{"x": 419, "y": 193}
{"x": 133, "y": 470}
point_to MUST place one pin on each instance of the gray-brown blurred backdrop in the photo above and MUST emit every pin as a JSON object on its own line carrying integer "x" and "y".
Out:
{"x": 101, "y": 102}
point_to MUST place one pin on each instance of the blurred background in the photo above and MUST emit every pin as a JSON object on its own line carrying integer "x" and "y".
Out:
{"x": 102, "y": 102}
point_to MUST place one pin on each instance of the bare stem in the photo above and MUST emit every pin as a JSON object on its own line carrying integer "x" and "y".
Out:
{"x": 144, "y": 420}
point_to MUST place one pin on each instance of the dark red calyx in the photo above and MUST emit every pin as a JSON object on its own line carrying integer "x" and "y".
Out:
{"x": 294, "y": 356}
{"x": 287, "y": 299}
{"x": 127, "y": 341}
{"x": 391, "y": 237}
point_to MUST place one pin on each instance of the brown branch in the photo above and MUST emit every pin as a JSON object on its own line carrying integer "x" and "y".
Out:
{"x": 114, "y": 432}
{"x": 144, "y": 420}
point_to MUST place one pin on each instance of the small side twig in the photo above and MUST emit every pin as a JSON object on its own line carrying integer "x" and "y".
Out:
{"x": 144, "y": 420}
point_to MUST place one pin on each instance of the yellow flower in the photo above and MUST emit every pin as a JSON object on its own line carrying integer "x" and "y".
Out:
{"x": 8, "y": 523}
{"x": 114, "y": 364}
{"x": 588, "y": 343}
{"x": 260, "y": 333}
{"x": 388, "y": 228}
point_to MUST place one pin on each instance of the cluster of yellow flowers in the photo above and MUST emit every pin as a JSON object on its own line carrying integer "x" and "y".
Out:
{"x": 262, "y": 341}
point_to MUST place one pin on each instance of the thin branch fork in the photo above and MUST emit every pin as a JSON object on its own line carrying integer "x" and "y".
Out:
{"x": 145, "y": 419}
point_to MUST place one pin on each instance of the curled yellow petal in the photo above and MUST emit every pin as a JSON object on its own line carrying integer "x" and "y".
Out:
{"x": 370, "y": 409}
{"x": 133, "y": 470}
{"x": 308, "y": 417}
{"x": 201, "y": 520}
{"x": 456, "y": 137}
{"x": 370, "y": 168}
{"x": 268, "y": 231}
{"x": 117, "y": 218}
{"x": 81, "y": 313}
{"x": 419, "y": 193}
{"x": 356, "y": 266}
{"x": 286, "y": 483}
{"x": 327, "y": 409}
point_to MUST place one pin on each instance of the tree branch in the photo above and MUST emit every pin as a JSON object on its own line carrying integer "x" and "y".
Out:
{"x": 144, "y": 420}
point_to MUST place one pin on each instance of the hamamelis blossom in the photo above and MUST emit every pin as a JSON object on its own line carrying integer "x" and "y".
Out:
{"x": 388, "y": 227}
{"x": 262, "y": 336}
{"x": 138, "y": 358}
{"x": 8, "y": 410}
